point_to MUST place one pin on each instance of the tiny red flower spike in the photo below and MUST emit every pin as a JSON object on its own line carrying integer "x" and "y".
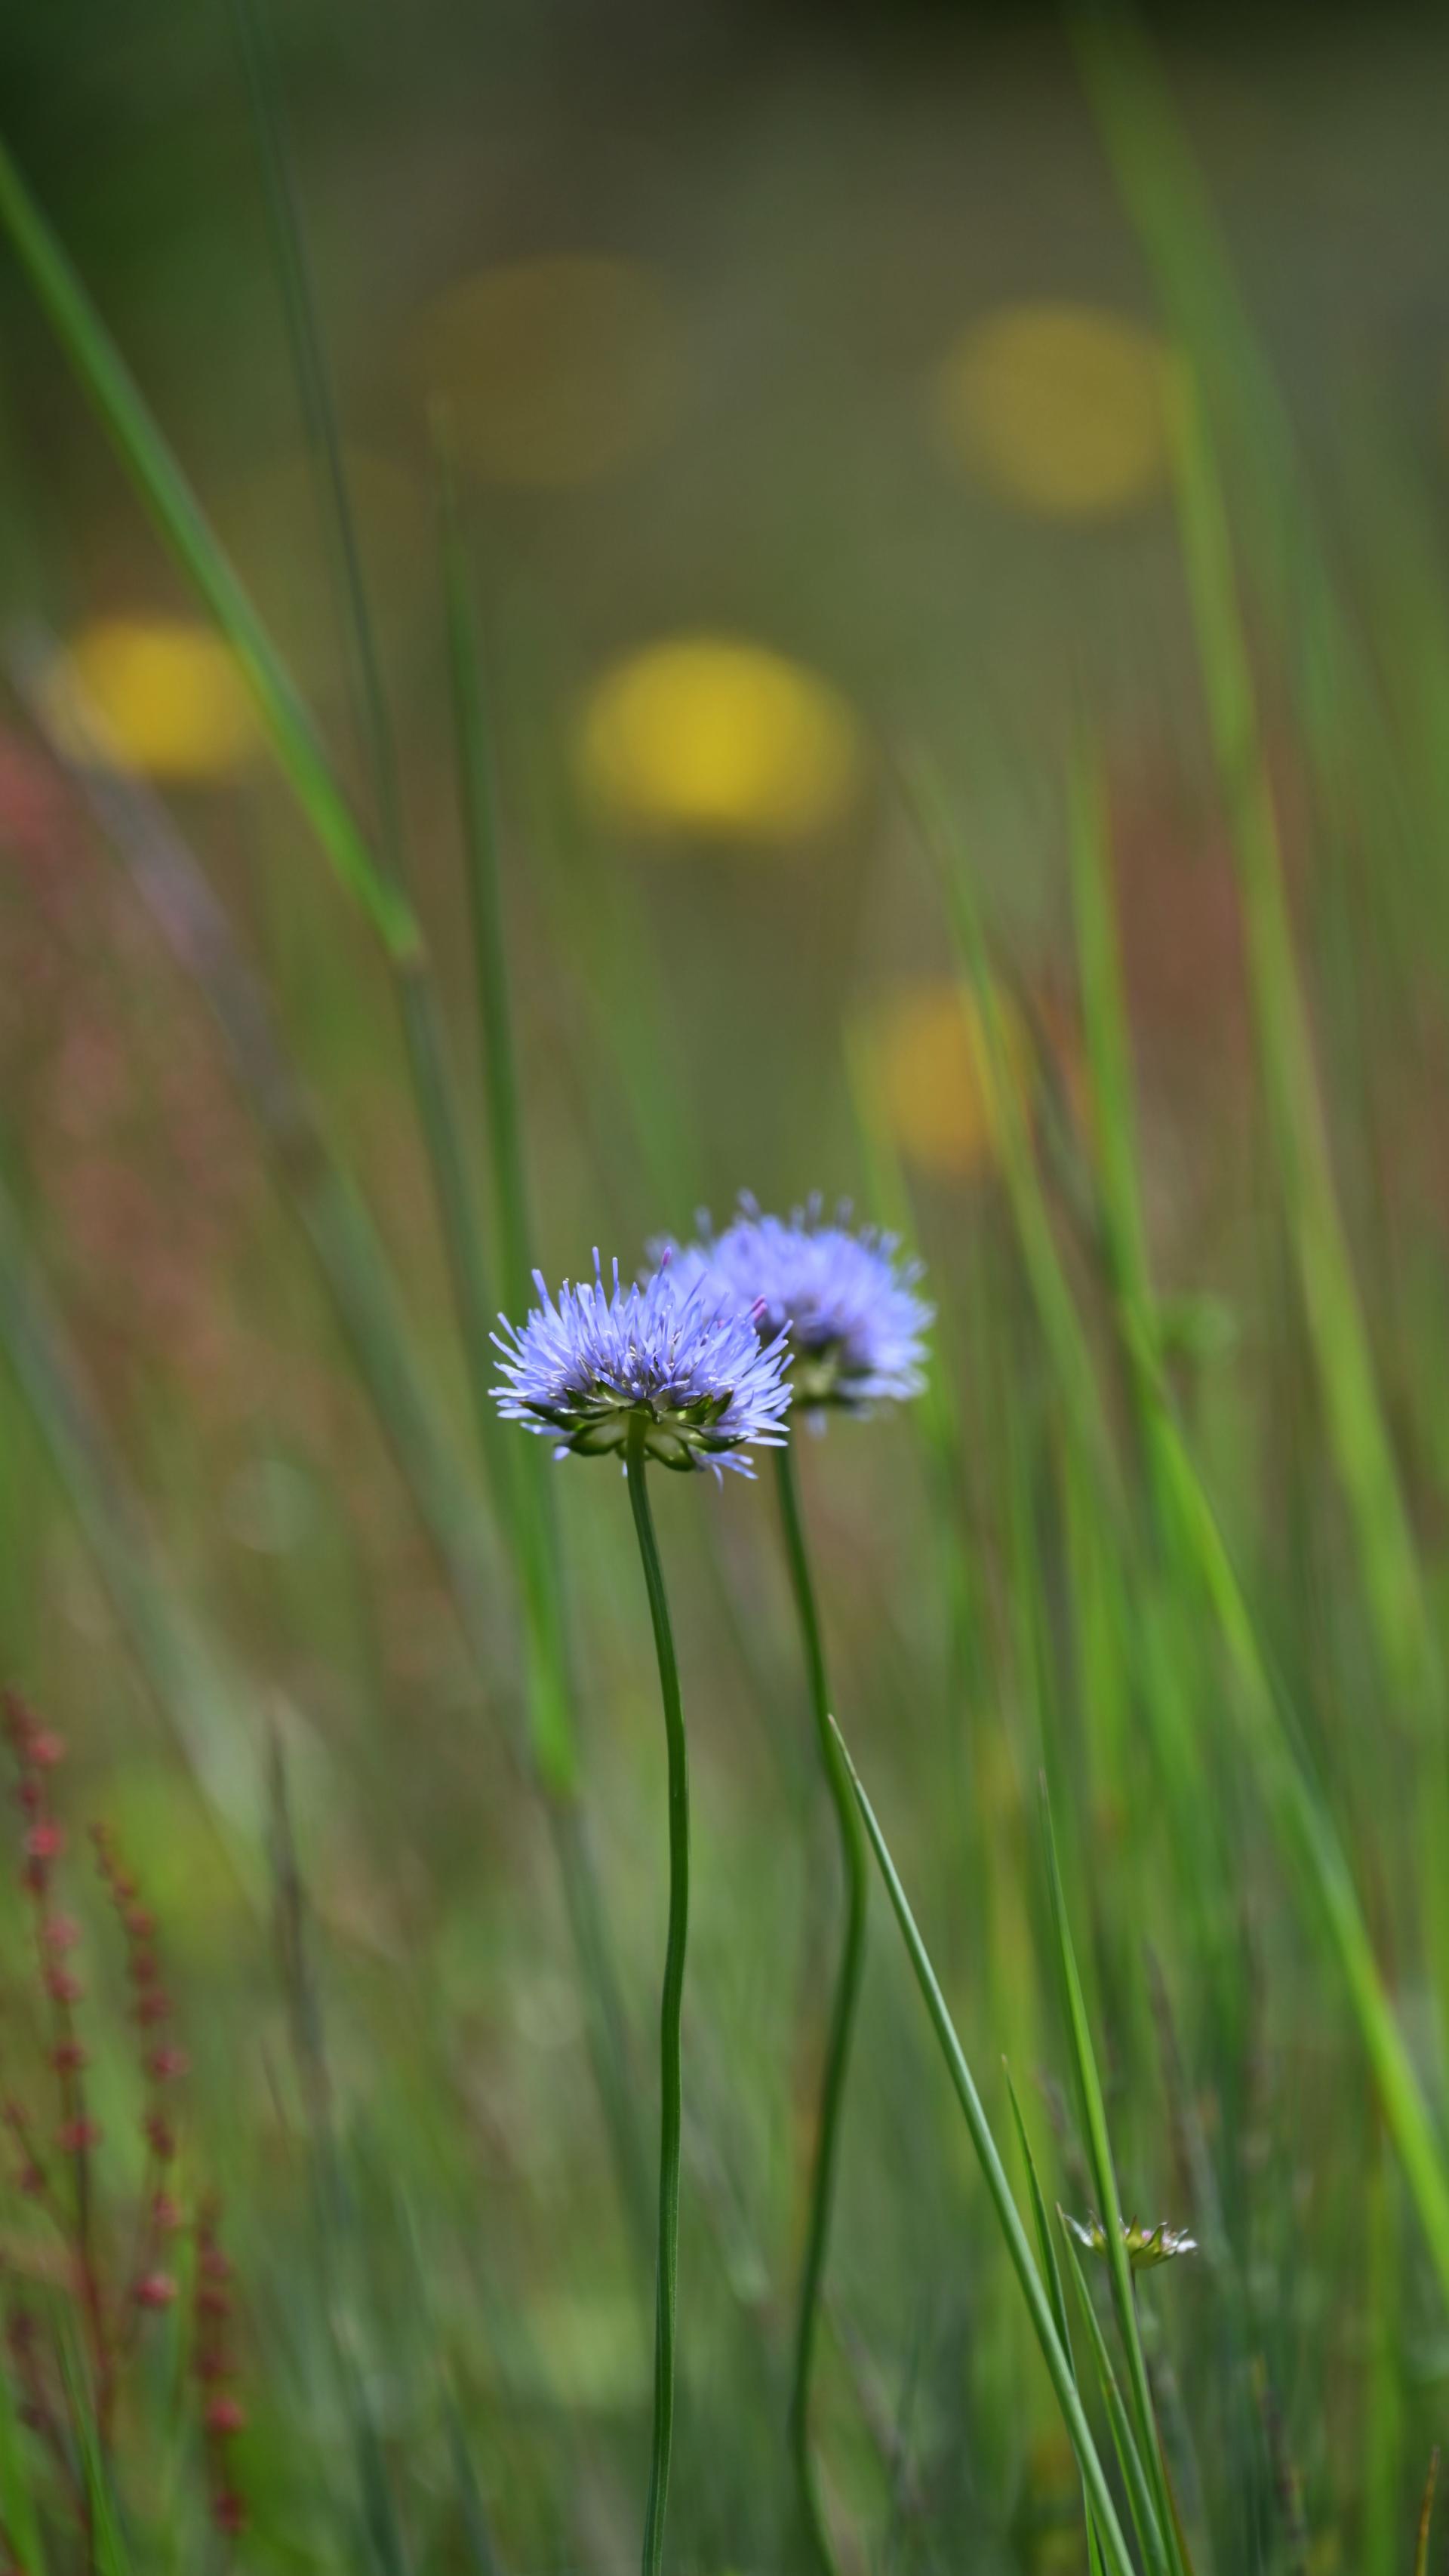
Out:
{"x": 63, "y": 1986}
{"x": 28, "y": 1793}
{"x": 229, "y": 2512}
{"x": 31, "y": 2180}
{"x": 143, "y": 1967}
{"x": 69, "y": 2057}
{"x": 225, "y": 2415}
{"x": 214, "y": 2263}
{"x": 165, "y": 2214}
{"x": 152, "y": 2005}
{"x": 46, "y": 1747}
{"x": 77, "y": 2135}
{"x": 154, "y": 2290}
{"x": 140, "y": 1925}
{"x": 166, "y": 2062}
{"x": 160, "y": 2137}
{"x": 211, "y": 2366}
{"x": 61, "y": 1931}
{"x": 45, "y": 1841}
{"x": 212, "y": 2302}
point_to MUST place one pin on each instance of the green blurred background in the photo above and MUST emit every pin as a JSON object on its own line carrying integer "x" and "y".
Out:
{"x": 806, "y": 377}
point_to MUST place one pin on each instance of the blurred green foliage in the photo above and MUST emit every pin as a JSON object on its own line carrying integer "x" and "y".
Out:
{"x": 370, "y": 1708}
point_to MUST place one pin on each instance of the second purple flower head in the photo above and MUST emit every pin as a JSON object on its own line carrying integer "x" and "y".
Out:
{"x": 845, "y": 1298}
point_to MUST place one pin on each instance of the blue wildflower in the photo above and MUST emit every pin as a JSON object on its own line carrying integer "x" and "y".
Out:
{"x": 681, "y": 1351}
{"x": 844, "y": 1297}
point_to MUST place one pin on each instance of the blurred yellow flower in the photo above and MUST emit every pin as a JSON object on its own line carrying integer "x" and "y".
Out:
{"x": 556, "y": 371}
{"x": 707, "y": 735}
{"x": 1059, "y": 407}
{"x": 932, "y": 1076}
{"x": 162, "y": 692}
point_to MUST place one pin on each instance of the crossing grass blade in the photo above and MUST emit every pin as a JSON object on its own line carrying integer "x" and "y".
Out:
{"x": 1098, "y": 2144}
{"x": 173, "y": 505}
{"x": 1038, "y": 2299}
{"x": 1052, "y": 2275}
{"x": 1124, "y": 2440}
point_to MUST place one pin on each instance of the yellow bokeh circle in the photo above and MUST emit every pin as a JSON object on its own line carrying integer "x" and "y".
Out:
{"x": 164, "y": 694}
{"x": 709, "y": 735}
{"x": 928, "y": 1062}
{"x": 554, "y": 371}
{"x": 1059, "y": 408}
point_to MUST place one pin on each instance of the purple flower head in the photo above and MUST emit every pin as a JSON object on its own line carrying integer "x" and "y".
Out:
{"x": 681, "y": 1352}
{"x": 844, "y": 1297}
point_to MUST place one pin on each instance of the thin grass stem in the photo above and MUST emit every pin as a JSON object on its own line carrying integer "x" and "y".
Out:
{"x": 1110, "y": 2535}
{"x": 842, "y": 2012}
{"x": 670, "y": 2088}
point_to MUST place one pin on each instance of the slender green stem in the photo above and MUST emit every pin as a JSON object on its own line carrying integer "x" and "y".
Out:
{"x": 669, "y": 2011}
{"x": 842, "y": 2012}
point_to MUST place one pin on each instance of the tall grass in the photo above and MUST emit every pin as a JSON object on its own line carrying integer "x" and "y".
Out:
{"x": 1219, "y": 1972}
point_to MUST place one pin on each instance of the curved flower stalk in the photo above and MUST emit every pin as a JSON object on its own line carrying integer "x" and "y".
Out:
{"x": 676, "y": 1372}
{"x": 854, "y": 1324}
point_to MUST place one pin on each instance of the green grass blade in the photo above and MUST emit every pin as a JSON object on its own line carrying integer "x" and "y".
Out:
{"x": 477, "y": 800}
{"x": 1426, "y": 2516}
{"x": 1129, "y": 2457}
{"x": 1051, "y": 2273}
{"x": 1104, "y": 1015}
{"x": 1046, "y": 2243}
{"x": 482, "y": 2555}
{"x": 1038, "y": 2300}
{"x": 1297, "y": 1810}
{"x": 1362, "y": 1449}
{"x": 1383, "y": 2411}
{"x": 1057, "y": 1314}
{"x": 18, "y": 2513}
{"x": 319, "y": 414}
{"x": 179, "y": 516}
{"x": 1093, "y": 2110}
{"x": 109, "y": 2552}
{"x": 1309, "y": 1835}
{"x": 530, "y": 1495}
